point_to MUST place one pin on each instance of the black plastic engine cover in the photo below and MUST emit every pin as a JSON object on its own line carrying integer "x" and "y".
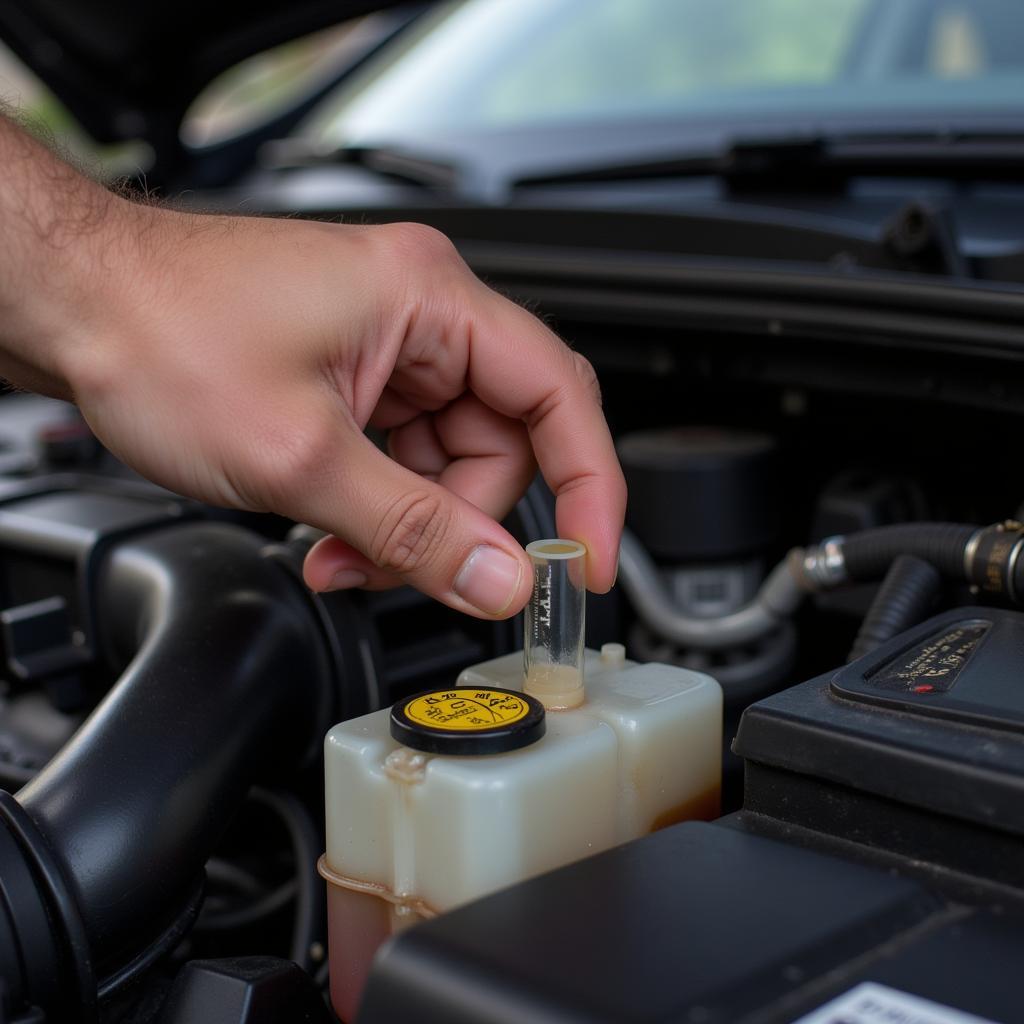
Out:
{"x": 698, "y": 923}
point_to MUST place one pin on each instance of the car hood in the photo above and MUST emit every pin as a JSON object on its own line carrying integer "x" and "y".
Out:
{"x": 128, "y": 70}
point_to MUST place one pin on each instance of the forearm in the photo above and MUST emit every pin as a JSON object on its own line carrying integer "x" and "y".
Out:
{"x": 64, "y": 238}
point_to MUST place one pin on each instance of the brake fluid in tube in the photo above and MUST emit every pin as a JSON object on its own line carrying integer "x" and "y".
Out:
{"x": 555, "y": 616}
{"x": 527, "y": 762}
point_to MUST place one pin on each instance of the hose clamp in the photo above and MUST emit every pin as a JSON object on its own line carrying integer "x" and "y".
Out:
{"x": 1011, "y": 569}
{"x": 991, "y": 557}
{"x": 824, "y": 565}
{"x": 971, "y": 550}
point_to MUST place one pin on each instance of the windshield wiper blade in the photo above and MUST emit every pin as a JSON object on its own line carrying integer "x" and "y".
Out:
{"x": 393, "y": 163}
{"x": 816, "y": 162}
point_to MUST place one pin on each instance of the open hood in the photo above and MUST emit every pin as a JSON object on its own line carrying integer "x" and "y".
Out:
{"x": 128, "y": 69}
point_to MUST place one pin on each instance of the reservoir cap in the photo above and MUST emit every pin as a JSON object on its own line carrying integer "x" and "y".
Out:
{"x": 468, "y": 721}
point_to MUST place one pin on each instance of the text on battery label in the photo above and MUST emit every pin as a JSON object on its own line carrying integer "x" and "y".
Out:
{"x": 870, "y": 1003}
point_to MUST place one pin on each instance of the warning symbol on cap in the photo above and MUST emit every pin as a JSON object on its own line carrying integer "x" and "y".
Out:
{"x": 468, "y": 721}
{"x": 467, "y": 709}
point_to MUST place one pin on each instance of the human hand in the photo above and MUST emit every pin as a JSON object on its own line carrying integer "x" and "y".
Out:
{"x": 239, "y": 360}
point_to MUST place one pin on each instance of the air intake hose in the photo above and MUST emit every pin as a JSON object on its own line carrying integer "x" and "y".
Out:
{"x": 227, "y": 682}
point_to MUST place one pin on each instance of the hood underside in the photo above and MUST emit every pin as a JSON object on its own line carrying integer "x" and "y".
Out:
{"x": 128, "y": 70}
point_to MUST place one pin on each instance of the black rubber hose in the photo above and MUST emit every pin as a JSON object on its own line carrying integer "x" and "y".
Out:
{"x": 310, "y": 897}
{"x": 228, "y": 683}
{"x": 869, "y": 554}
{"x": 903, "y": 600}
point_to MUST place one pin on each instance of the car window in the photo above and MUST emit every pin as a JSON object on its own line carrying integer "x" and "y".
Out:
{"x": 624, "y": 56}
{"x": 498, "y": 63}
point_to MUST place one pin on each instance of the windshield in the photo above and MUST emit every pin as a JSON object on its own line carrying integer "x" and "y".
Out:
{"x": 498, "y": 64}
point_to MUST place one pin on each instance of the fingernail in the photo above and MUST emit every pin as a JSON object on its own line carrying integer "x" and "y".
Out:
{"x": 489, "y": 579}
{"x": 345, "y": 579}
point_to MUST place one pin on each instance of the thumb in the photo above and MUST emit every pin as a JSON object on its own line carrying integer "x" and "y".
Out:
{"x": 420, "y": 532}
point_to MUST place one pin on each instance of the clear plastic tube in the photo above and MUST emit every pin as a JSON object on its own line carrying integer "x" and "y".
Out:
{"x": 553, "y": 634}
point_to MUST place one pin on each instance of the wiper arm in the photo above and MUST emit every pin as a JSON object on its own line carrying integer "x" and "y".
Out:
{"x": 389, "y": 162}
{"x": 819, "y": 162}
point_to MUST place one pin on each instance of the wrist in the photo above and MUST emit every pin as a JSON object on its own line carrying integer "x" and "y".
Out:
{"x": 101, "y": 296}
{"x": 62, "y": 293}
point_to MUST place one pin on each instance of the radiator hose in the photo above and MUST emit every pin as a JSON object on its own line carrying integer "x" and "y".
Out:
{"x": 870, "y": 553}
{"x": 226, "y": 682}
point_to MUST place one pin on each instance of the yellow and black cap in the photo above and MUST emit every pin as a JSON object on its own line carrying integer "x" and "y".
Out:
{"x": 468, "y": 720}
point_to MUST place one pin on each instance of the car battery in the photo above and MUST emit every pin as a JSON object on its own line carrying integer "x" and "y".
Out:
{"x": 915, "y": 751}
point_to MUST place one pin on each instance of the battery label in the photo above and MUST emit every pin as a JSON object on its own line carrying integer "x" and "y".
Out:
{"x": 936, "y": 664}
{"x": 870, "y": 1003}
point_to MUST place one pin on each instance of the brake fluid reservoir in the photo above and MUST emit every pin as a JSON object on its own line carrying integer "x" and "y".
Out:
{"x": 515, "y": 770}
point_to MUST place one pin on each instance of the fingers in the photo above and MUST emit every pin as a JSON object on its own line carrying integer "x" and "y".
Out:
{"x": 523, "y": 371}
{"x": 472, "y": 450}
{"x": 458, "y": 337}
{"x": 416, "y": 446}
{"x": 416, "y": 530}
{"x": 332, "y": 564}
{"x": 392, "y": 410}
{"x": 469, "y": 449}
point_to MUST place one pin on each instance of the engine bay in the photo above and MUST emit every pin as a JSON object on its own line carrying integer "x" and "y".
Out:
{"x": 775, "y": 775}
{"x": 799, "y": 503}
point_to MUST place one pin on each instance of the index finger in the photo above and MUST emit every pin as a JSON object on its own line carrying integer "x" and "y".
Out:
{"x": 522, "y": 370}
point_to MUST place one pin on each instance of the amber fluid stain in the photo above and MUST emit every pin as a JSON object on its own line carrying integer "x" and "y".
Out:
{"x": 705, "y": 806}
